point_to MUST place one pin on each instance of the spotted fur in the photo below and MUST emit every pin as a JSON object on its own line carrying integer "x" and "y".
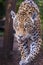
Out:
{"x": 28, "y": 30}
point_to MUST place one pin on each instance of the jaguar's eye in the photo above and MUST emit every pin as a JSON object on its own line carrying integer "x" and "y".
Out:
{"x": 30, "y": 12}
{"x": 26, "y": 24}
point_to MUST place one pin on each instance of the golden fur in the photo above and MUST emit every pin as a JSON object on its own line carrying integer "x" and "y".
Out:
{"x": 25, "y": 24}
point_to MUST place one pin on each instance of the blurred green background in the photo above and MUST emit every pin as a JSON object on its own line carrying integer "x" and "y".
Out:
{"x": 2, "y": 8}
{"x": 38, "y": 2}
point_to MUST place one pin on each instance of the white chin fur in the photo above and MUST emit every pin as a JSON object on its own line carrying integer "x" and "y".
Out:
{"x": 16, "y": 36}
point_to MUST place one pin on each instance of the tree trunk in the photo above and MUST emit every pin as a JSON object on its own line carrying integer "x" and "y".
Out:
{"x": 8, "y": 36}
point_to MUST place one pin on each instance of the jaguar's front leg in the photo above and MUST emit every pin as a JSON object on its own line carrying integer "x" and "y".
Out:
{"x": 34, "y": 50}
{"x": 23, "y": 47}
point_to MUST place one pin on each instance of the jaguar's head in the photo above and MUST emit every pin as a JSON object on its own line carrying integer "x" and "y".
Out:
{"x": 23, "y": 22}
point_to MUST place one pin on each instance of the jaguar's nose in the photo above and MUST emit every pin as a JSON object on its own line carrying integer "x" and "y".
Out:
{"x": 20, "y": 36}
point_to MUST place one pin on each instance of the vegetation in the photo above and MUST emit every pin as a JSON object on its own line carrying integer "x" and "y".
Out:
{"x": 2, "y": 8}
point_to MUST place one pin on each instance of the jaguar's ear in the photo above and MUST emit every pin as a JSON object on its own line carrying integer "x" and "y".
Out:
{"x": 12, "y": 14}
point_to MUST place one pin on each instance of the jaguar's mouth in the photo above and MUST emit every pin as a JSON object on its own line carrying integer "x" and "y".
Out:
{"x": 19, "y": 38}
{"x": 23, "y": 38}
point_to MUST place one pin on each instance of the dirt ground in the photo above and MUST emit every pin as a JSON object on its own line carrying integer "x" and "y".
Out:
{"x": 14, "y": 58}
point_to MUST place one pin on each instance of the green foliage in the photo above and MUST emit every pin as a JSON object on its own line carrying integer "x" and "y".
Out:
{"x": 1, "y": 32}
{"x": 1, "y": 1}
{"x": 18, "y": 4}
{"x": 2, "y": 8}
